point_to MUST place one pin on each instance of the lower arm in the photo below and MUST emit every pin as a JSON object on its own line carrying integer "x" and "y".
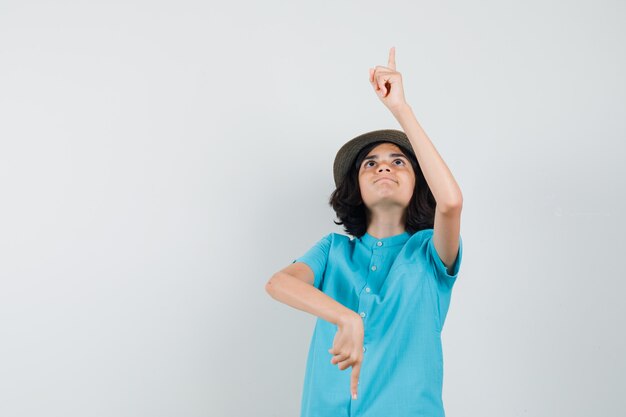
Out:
{"x": 298, "y": 294}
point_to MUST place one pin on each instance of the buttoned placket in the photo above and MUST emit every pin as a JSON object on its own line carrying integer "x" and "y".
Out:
{"x": 367, "y": 296}
{"x": 378, "y": 255}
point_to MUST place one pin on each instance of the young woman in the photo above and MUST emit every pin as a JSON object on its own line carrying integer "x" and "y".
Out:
{"x": 382, "y": 295}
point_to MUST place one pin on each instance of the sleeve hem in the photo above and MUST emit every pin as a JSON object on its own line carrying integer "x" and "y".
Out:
{"x": 442, "y": 269}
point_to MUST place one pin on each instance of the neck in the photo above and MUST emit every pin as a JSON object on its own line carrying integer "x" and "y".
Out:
{"x": 385, "y": 224}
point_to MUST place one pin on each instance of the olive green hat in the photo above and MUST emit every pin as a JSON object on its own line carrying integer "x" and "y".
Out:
{"x": 345, "y": 158}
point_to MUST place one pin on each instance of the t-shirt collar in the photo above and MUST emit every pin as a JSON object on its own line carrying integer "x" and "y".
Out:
{"x": 372, "y": 242}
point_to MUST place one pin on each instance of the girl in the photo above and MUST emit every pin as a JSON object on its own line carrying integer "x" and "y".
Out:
{"x": 381, "y": 296}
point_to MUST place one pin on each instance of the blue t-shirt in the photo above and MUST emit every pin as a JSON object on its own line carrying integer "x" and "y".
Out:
{"x": 401, "y": 288}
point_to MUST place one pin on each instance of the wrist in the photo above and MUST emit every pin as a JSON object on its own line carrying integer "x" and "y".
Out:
{"x": 401, "y": 109}
{"x": 347, "y": 317}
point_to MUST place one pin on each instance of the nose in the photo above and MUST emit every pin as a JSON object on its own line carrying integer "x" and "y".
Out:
{"x": 386, "y": 168}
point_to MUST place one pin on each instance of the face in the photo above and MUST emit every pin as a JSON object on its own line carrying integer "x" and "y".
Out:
{"x": 386, "y": 177}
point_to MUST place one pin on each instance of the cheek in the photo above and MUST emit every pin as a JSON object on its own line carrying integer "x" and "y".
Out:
{"x": 410, "y": 185}
{"x": 364, "y": 186}
{"x": 412, "y": 179}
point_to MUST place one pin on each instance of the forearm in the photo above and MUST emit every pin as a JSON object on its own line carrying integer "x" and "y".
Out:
{"x": 438, "y": 176}
{"x": 303, "y": 296}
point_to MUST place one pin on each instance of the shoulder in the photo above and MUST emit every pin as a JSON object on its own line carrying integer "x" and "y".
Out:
{"x": 416, "y": 247}
{"x": 332, "y": 240}
{"x": 340, "y": 240}
{"x": 420, "y": 248}
{"x": 340, "y": 237}
{"x": 420, "y": 237}
{"x": 338, "y": 244}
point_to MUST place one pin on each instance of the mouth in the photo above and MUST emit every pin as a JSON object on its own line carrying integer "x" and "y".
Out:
{"x": 383, "y": 179}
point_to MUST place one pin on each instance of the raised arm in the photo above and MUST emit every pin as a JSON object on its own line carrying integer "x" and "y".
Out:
{"x": 387, "y": 83}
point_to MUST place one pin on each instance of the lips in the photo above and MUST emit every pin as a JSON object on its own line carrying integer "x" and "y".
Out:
{"x": 385, "y": 178}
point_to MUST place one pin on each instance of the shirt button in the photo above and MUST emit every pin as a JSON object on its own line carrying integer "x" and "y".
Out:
{"x": 374, "y": 268}
{"x": 367, "y": 289}
{"x": 362, "y": 313}
{"x": 379, "y": 243}
{"x": 363, "y": 348}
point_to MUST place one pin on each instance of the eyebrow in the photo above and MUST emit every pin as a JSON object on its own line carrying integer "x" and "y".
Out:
{"x": 391, "y": 154}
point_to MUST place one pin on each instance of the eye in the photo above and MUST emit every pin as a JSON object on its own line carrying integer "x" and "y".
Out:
{"x": 371, "y": 162}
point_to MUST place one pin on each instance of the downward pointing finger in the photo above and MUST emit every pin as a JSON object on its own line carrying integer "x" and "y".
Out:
{"x": 354, "y": 380}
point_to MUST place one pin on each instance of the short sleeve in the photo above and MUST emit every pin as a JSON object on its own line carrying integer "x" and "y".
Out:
{"x": 441, "y": 271}
{"x": 444, "y": 280}
{"x": 317, "y": 258}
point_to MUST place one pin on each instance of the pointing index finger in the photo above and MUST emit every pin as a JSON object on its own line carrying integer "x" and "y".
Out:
{"x": 354, "y": 380}
{"x": 392, "y": 58}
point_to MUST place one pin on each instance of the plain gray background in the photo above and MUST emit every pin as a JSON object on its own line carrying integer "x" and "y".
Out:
{"x": 161, "y": 160}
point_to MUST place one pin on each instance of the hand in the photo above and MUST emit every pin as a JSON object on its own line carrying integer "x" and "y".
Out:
{"x": 348, "y": 348}
{"x": 387, "y": 83}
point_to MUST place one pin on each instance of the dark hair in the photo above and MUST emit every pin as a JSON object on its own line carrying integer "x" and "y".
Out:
{"x": 352, "y": 212}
